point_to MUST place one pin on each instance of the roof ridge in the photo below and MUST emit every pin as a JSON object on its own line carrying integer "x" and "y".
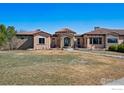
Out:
{"x": 32, "y": 32}
{"x": 106, "y": 31}
{"x": 111, "y": 29}
{"x": 64, "y": 30}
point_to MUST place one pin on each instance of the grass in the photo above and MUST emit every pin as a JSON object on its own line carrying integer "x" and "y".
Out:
{"x": 56, "y": 67}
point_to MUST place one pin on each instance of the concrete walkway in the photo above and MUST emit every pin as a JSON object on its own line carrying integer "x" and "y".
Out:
{"x": 102, "y": 54}
{"x": 117, "y": 82}
{"x": 115, "y": 56}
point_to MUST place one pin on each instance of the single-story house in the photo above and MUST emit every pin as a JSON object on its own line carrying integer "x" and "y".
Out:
{"x": 98, "y": 38}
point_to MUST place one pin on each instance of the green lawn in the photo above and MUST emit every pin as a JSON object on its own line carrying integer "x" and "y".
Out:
{"x": 56, "y": 67}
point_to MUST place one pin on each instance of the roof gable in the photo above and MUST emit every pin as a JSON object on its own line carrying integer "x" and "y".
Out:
{"x": 65, "y": 30}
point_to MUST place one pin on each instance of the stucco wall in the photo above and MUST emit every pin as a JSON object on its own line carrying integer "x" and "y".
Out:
{"x": 111, "y": 36}
{"x": 104, "y": 44}
{"x": 121, "y": 39}
{"x": 93, "y": 46}
{"x": 25, "y": 42}
{"x": 81, "y": 41}
{"x": 60, "y": 39}
{"x": 71, "y": 42}
{"x": 46, "y": 45}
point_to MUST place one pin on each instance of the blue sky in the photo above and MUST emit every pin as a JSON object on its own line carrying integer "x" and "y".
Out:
{"x": 52, "y": 17}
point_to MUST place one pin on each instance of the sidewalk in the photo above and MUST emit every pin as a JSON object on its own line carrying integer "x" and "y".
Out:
{"x": 117, "y": 82}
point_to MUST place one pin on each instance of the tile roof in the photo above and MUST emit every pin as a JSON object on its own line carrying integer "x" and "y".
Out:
{"x": 106, "y": 31}
{"x": 65, "y": 30}
{"x": 31, "y": 32}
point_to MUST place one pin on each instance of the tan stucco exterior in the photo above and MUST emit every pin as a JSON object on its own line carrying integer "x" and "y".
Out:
{"x": 93, "y": 46}
{"x": 46, "y": 45}
{"x": 67, "y": 38}
{"x": 120, "y": 39}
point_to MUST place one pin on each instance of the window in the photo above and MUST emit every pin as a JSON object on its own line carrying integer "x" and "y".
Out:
{"x": 112, "y": 40}
{"x": 41, "y": 40}
{"x": 22, "y": 38}
{"x": 78, "y": 41}
{"x": 96, "y": 40}
{"x": 90, "y": 40}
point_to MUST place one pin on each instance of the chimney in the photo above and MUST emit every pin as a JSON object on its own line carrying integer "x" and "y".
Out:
{"x": 96, "y": 28}
{"x": 37, "y": 29}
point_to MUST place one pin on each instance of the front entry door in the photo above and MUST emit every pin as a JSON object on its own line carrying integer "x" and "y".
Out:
{"x": 67, "y": 42}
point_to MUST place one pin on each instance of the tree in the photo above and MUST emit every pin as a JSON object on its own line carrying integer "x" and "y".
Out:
{"x": 3, "y": 33}
{"x": 10, "y": 34}
{"x": 6, "y": 35}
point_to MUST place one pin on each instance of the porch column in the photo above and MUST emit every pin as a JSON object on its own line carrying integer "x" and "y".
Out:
{"x": 87, "y": 42}
{"x": 62, "y": 42}
{"x": 72, "y": 42}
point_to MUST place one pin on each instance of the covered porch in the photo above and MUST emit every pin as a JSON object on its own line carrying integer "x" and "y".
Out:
{"x": 67, "y": 41}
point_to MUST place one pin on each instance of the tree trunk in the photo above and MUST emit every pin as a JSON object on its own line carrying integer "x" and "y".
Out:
{"x": 9, "y": 46}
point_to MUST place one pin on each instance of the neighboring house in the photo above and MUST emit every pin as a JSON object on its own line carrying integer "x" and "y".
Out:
{"x": 99, "y": 38}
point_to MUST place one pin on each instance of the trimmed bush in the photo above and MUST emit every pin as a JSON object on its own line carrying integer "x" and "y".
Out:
{"x": 113, "y": 48}
{"x": 121, "y": 48}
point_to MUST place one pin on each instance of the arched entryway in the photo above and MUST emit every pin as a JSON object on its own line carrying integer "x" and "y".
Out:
{"x": 67, "y": 42}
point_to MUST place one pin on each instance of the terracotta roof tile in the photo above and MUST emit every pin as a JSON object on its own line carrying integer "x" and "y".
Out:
{"x": 65, "y": 30}
{"x": 30, "y": 32}
{"x": 106, "y": 31}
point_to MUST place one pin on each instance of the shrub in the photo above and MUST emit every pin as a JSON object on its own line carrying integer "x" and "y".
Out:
{"x": 121, "y": 48}
{"x": 113, "y": 48}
